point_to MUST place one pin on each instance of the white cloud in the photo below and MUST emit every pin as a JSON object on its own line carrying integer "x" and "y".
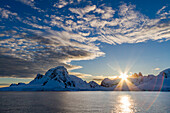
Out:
{"x": 98, "y": 10}
{"x": 60, "y": 4}
{"x": 28, "y": 2}
{"x": 124, "y": 9}
{"x": 133, "y": 27}
{"x": 130, "y": 27}
{"x": 109, "y": 12}
{"x": 163, "y": 14}
{"x": 83, "y": 11}
{"x": 157, "y": 69}
{"x": 159, "y": 11}
{"x": 36, "y": 25}
{"x": 18, "y": 48}
{"x": 6, "y": 13}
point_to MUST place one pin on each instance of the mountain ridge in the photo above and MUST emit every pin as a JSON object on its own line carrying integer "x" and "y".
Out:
{"x": 58, "y": 79}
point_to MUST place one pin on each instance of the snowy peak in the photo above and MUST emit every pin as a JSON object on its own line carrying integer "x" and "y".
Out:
{"x": 19, "y": 84}
{"x": 39, "y": 79}
{"x": 165, "y": 73}
{"x": 109, "y": 83}
{"x": 54, "y": 78}
{"x": 39, "y": 76}
{"x": 59, "y": 78}
{"x": 135, "y": 75}
{"x": 59, "y": 72}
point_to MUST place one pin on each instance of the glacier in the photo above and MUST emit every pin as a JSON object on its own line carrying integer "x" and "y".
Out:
{"x": 58, "y": 79}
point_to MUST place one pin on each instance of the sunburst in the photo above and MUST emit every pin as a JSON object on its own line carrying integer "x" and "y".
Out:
{"x": 123, "y": 76}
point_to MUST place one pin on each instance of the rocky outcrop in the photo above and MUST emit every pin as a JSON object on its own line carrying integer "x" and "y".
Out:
{"x": 93, "y": 84}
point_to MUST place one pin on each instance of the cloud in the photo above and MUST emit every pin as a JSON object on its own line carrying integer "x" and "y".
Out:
{"x": 98, "y": 10}
{"x": 109, "y": 12}
{"x": 159, "y": 11}
{"x": 27, "y": 55}
{"x": 4, "y": 85}
{"x": 60, "y": 4}
{"x": 28, "y": 2}
{"x": 83, "y": 11}
{"x": 62, "y": 35}
{"x": 157, "y": 69}
{"x": 6, "y": 13}
{"x": 2, "y": 35}
{"x": 19, "y": 67}
{"x": 80, "y": 75}
{"x": 133, "y": 27}
{"x": 36, "y": 25}
{"x": 130, "y": 27}
{"x": 31, "y": 3}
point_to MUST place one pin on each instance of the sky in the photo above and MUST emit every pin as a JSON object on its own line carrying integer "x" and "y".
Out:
{"x": 93, "y": 39}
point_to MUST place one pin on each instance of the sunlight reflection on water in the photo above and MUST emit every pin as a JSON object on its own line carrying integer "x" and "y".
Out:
{"x": 126, "y": 104}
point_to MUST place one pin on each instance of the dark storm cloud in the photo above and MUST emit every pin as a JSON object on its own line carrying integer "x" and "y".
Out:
{"x": 16, "y": 67}
{"x": 11, "y": 67}
{"x": 3, "y": 84}
{"x": 29, "y": 54}
{"x": 43, "y": 56}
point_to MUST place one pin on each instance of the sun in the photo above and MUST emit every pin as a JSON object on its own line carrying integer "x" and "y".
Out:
{"x": 123, "y": 76}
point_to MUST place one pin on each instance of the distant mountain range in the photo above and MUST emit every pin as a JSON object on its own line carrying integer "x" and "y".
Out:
{"x": 58, "y": 79}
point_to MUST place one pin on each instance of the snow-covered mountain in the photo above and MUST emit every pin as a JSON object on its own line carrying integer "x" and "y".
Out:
{"x": 58, "y": 79}
{"x": 54, "y": 79}
{"x": 140, "y": 82}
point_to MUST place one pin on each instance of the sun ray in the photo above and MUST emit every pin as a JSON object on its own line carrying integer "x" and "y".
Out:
{"x": 131, "y": 86}
{"x": 125, "y": 83}
{"x": 119, "y": 86}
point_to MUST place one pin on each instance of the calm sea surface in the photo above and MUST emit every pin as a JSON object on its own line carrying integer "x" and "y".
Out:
{"x": 84, "y": 101}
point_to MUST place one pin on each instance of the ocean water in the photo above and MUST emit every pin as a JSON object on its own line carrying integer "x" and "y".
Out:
{"x": 84, "y": 102}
